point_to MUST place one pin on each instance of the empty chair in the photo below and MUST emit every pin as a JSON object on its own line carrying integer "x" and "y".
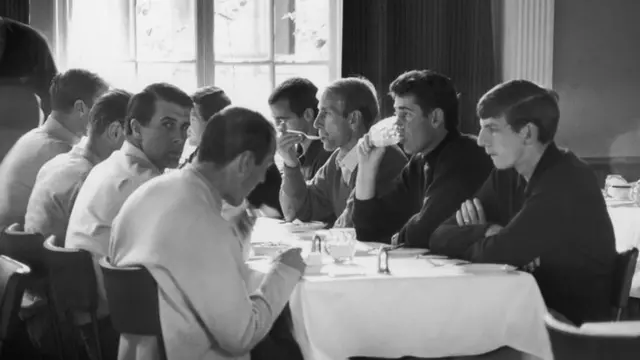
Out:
{"x": 133, "y": 302}
{"x": 13, "y": 276}
{"x": 607, "y": 343}
{"x": 73, "y": 286}
{"x": 625, "y": 267}
{"x": 24, "y": 247}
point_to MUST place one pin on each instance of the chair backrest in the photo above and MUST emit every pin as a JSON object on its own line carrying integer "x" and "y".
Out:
{"x": 72, "y": 277}
{"x": 24, "y": 247}
{"x": 132, "y": 294}
{"x": 13, "y": 275}
{"x": 569, "y": 342}
{"x": 625, "y": 267}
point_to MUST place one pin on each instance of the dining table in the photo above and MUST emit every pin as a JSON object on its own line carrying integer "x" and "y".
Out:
{"x": 425, "y": 305}
{"x": 625, "y": 218}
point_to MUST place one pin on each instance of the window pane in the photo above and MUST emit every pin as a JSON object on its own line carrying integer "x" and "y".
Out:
{"x": 318, "y": 74}
{"x": 302, "y": 30}
{"x": 165, "y": 30}
{"x": 97, "y": 40}
{"x": 182, "y": 75}
{"x": 246, "y": 85}
{"x": 241, "y": 29}
{"x": 118, "y": 74}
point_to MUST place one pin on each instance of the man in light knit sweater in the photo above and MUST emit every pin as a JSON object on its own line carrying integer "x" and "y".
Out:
{"x": 173, "y": 226}
{"x": 348, "y": 108}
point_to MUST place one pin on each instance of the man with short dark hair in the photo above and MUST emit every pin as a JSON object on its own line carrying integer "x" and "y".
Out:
{"x": 446, "y": 167}
{"x": 72, "y": 96}
{"x": 294, "y": 106}
{"x": 173, "y": 226}
{"x": 348, "y": 108}
{"x": 541, "y": 208}
{"x": 155, "y": 132}
{"x": 60, "y": 179}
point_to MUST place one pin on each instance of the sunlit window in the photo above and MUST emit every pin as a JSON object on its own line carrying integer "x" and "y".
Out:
{"x": 244, "y": 46}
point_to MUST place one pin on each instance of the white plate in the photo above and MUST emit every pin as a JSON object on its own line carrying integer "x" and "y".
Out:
{"x": 487, "y": 267}
{"x": 301, "y": 227}
{"x": 407, "y": 252}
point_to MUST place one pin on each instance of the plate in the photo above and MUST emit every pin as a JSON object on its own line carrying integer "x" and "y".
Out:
{"x": 268, "y": 249}
{"x": 487, "y": 267}
{"x": 407, "y": 252}
{"x": 302, "y": 227}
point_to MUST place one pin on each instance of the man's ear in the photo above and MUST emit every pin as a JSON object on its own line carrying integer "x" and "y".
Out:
{"x": 355, "y": 120}
{"x": 529, "y": 133}
{"x": 114, "y": 131}
{"x": 437, "y": 118}
{"x": 81, "y": 107}
{"x": 245, "y": 162}
{"x": 309, "y": 116}
{"x": 136, "y": 128}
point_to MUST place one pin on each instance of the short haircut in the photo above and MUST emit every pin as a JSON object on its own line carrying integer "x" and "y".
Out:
{"x": 358, "y": 93}
{"x": 301, "y": 94}
{"x": 73, "y": 85}
{"x": 143, "y": 104}
{"x": 109, "y": 108}
{"x": 210, "y": 100}
{"x": 432, "y": 90}
{"x": 522, "y": 102}
{"x": 233, "y": 131}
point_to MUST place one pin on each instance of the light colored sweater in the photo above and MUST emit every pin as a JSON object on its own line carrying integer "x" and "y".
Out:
{"x": 173, "y": 226}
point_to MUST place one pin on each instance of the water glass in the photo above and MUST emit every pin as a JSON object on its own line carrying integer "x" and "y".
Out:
{"x": 340, "y": 244}
{"x": 385, "y": 132}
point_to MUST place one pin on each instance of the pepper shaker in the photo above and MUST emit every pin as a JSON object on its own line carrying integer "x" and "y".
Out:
{"x": 316, "y": 245}
{"x": 383, "y": 260}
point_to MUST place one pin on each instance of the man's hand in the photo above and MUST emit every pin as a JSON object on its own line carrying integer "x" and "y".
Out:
{"x": 286, "y": 148}
{"x": 292, "y": 257}
{"x": 532, "y": 266}
{"x": 369, "y": 156}
{"x": 493, "y": 230}
{"x": 471, "y": 213}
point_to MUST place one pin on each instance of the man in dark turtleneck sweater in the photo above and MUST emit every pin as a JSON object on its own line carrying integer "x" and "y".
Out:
{"x": 446, "y": 166}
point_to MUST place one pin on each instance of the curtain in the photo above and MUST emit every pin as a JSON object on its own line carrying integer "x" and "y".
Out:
{"x": 15, "y": 9}
{"x": 384, "y": 38}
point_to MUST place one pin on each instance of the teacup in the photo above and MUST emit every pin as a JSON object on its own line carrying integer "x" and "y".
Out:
{"x": 340, "y": 244}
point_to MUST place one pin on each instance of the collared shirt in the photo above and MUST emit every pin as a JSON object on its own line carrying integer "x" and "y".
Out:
{"x": 558, "y": 219}
{"x": 104, "y": 191}
{"x": 20, "y": 166}
{"x": 209, "y": 310}
{"x": 430, "y": 188}
{"x": 55, "y": 191}
{"x": 347, "y": 163}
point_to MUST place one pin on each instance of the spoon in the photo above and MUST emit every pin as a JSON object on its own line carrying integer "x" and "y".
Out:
{"x": 310, "y": 137}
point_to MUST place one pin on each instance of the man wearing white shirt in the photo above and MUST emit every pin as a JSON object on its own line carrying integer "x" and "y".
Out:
{"x": 174, "y": 227}
{"x": 156, "y": 129}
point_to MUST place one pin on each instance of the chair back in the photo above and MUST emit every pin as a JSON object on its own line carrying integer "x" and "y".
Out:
{"x": 132, "y": 293}
{"x": 13, "y": 275}
{"x": 625, "y": 267}
{"x": 72, "y": 277}
{"x": 569, "y": 342}
{"x": 24, "y": 247}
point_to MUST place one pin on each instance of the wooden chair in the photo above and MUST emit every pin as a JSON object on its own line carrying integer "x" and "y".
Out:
{"x": 133, "y": 301}
{"x": 73, "y": 286}
{"x": 625, "y": 267}
{"x": 13, "y": 277}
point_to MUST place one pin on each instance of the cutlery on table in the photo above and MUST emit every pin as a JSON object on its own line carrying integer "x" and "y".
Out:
{"x": 310, "y": 137}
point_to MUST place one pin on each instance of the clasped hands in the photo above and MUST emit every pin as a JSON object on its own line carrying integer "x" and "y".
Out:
{"x": 472, "y": 213}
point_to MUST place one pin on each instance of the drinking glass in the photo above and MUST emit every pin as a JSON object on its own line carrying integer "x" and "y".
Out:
{"x": 340, "y": 244}
{"x": 385, "y": 132}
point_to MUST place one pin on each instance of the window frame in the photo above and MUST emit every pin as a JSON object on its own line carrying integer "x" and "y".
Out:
{"x": 205, "y": 60}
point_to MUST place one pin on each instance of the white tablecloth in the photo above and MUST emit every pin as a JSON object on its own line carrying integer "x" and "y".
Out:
{"x": 425, "y": 308}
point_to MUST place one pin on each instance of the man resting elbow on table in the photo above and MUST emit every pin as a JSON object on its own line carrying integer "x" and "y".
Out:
{"x": 541, "y": 209}
{"x": 348, "y": 108}
{"x": 446, "y": 167}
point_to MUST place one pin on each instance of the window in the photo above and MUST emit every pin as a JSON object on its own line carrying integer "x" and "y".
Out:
{"x": 245, "y": 47}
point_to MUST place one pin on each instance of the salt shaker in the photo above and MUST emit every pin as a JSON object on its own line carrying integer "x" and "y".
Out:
{"x": 383, "y": 261}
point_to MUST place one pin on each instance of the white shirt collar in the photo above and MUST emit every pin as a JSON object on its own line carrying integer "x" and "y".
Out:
{"x": 347, "y": 163}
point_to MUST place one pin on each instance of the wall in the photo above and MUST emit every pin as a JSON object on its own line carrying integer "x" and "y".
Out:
{"x": 596, "y": 71}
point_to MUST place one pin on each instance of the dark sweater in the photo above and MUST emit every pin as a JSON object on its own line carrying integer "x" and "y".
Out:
{"x": 430, "y": 188}
{"x": 560, "y": 218}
